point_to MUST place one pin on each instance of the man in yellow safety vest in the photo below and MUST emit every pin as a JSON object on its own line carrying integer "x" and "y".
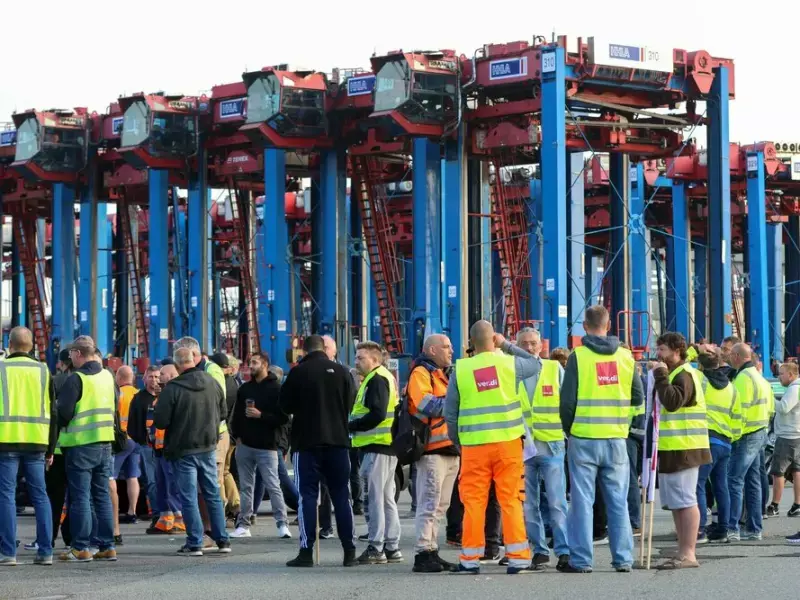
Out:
{"x": 682, "y": 443}
{"x": 27, "y": 441}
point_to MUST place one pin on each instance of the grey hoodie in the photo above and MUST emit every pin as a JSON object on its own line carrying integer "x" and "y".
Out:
{"x": 606, "y": 345}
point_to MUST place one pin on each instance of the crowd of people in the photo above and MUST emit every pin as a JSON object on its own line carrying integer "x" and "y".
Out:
{"x": 539, "y": 455}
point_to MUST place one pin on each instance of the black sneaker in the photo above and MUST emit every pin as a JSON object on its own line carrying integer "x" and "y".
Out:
{"x": 623, "y": 569}
{"x": 426, "y": 562}
{"x": 447, "y": 566}
{"x": 358, "y": 510}
{"x": 326, "y": 534}
{"x": 118, "y": 540}
{"x": 563, "y": 561}
{"x": 568, "y": 568}
{"x": 531, "y": 568}
{"x": 793, "y": 539}
{"x": 128, "y": 519}
{"x": 503, "y": 562}
{"x": 224, "y": 547}
{"x": 794, "y": 511}
{"x": 393, "y": 556}
{"x": 304, "y": 559}
{"x": 350, "y": 559}
{"x": 702, "y": 538}
{"x": 541, "y": 559}
{"x": 186, "y": 550}
{"x": 372, "y": 556}
{"x": 364, "y": 537}
{"x": 490, "y": 556}
{"x": 772, "y": 510}
{"x": 718, "y": 536}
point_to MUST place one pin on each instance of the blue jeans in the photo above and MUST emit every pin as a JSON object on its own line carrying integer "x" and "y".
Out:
{"x": 718, "y": 471}
{"x": 550, "y": 469}
{"x": 744, "y": 478}
{"x": 190, "y": 472}
{"x": 604, "y": 461}
{"x": 149, "y": 463}
{"x": 634, "y": 448}
{"x": 88, "y": 472}
{"x": 762, "y": 463}
{"x": 33, "y": 469}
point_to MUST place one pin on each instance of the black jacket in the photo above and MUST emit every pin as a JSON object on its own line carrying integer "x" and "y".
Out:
{"x": 137, "y": 416}
{"x": 319, "y": 393}
{"x": 265, "y": 432}
{"x": 51, "y": 408}
{"x": 231, "y": 389}
{"x": 376, "y": 399}
{"x": 189, "y": 409}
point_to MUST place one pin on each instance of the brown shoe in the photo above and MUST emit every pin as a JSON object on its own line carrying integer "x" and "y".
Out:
{"x": 109, "y": 555}
{"x": 76, "y": 556}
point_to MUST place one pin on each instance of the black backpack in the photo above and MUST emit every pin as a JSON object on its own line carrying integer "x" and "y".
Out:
{"x": 410, "y": 434}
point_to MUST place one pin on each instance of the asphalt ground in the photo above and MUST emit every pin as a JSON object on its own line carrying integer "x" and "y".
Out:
{"x": 149, "y": 569}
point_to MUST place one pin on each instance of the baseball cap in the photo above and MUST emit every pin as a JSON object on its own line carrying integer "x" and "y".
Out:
{"x": 220, "y": 359}
{"x": 82, "y": 342}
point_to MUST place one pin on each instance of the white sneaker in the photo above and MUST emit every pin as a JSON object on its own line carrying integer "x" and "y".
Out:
{"x": 241, "y": 532}
{"x": 283, "y": 532}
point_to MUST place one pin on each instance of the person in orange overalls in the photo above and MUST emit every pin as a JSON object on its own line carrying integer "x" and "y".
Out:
{"x": 484, "y": 415}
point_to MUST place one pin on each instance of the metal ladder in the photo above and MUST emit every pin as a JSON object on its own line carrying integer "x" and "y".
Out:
{"x": 124, "y": 220}
{"x": 380, "y": 247}
{"x": 25, "y": 238}
{"x": 240, "y": 208}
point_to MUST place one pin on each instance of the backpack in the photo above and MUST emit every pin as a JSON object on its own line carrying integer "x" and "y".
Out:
{"x": 410, "y": 434}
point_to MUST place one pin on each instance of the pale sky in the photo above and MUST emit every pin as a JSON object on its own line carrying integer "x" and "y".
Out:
{"x": 89, "y": 52}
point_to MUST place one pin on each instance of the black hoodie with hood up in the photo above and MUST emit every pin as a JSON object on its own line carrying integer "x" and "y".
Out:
{"x": 190, "y": 408}
{"x": 606, "y": 345}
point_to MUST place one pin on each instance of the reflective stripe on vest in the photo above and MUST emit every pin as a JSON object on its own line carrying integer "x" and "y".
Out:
{"x": 604, "y": 394}
{"x": 545, "y": 406}
{"x": 720, "y": 405}
{"x": 755, "y": 409}
{"x": 490, "y": 407}
{"x": 215, "y": 371}
{"x": 25, "y": 414}
{"x": 382, "y": 434}
{"x": 686, "y": 428}
{"x": 93, "y": 421}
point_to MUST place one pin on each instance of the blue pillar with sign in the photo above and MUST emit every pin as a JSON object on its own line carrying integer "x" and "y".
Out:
{"x": 618, "y": 266}
{"x": 180, "y": 323}
{"x": 160, "y": 308}
{"x": 331, "y": 208}
{"x": 535, "y": 244}
{"x": 63, "y": 244}
{"x": 576, "y": 246}
{"x": 775, "y": 284}
{"x": 19, "y": 300}
{"x": 678, "y": 254}
{"x": 199, "y": 232}
{"x": 639, "y": 258}
{"x": 719, "y": 208}
{"x": 700, "y": 289}
{"x": 554, "y": 196}
{"x": 455, "y": 241}
{"x": 758, "y": 291}
{"x": 427, "y": 244}
{"x": 273, "y": 267}
{"x": 87, "y": 256}
{"x": 102, "y": 300}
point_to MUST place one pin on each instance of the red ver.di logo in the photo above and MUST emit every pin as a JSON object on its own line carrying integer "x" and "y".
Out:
{"x": 547, "y": 390}
{"x": 607, "y": 373}
{"x": 486, "y": 379}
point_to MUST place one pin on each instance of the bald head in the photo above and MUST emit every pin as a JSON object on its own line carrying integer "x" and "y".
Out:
{"x": 330, "y": 346}
{"x": 168, "y": 373}
{"x": 20, "y": 340}
{"x": 439, "y": 349}
{"x": 124, "y": 376}
{"x": 482, "y": 336}
{"x": 740, "y": 354}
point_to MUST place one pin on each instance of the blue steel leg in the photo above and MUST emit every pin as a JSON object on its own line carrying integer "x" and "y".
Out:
{"x": 331, "y": 206}
{"x": 700, "y": 289}
{"x": 792, "y": 287}
{"x": 577, "y": 245}
{"x": 589, "y": 270}
{"x": 617, "y": 267}
{"x": 535, "y": 242}
{"x": 758, "y": 327}
{"x": 180, "y": 322}
{"x": 63, "y": 244}
{"x": 639, "y": 255}
{"x": 427, "y": 245}
{"x": 198, "y": 258}
{"x": 554, "y": 196}
{"x": 158, "y": 346}
{"x": 19, "y": 299}
{"x": 679, "y": 278}
{"x": 719, "y": 205}
{"x": 87, "y": 255}
{"x": 213, "y": 303}
{"x": 455, "y": 242}
{"x": 668, "y": 287}
{"x": 102, "y": 283}
{"x": 359, "y": 308}
{"x": 273, "y": 269}
{"x": 775, "y": 283}
{"x": 122, "y": 281}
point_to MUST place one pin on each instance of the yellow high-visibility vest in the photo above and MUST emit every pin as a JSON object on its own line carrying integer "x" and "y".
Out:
{"x": 546, "y": 424}
{"x": 722, "y": 413}
{"x": 755, "y": 395}
{"x": 93, "y": 421}
{"x": 686, "y": 428}
{"x": 216, "y": 372}
{"x": 382, "y": 434}
{"x": 604, "y": 394}
{"x": 24, "y": 401}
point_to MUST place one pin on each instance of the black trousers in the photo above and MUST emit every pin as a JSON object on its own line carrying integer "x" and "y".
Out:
{"x": 55, "y": 479}
{"x": 492, "y": 530}
{"x": 333, "y": 466}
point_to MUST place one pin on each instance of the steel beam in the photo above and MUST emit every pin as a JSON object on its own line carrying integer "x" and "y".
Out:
{"x": 329, "y": 255}
{"x": 63, "y": 244}
{"x": 758, "y": 328}
{"x": 619, "y": 265}
{"x": 359, "y": 273}
{"x": 87, "y": 262}
{"x": 455, "y": 242}
{"x": 199, "y": 232}
{"x": 577, "y": 245}
{"x": 485, "y": 245}
{"x": 158, "y": 182}
{"x": 427, "y": 244}
{"x": 679, "y": 273}
{"x": 103, "y": 323}
{"x": 19, "y": 298}
{"x": 273, "y": 264}
{"x": 554, "y": 196}
{"x": 639, "y": 247}
{"x": 775, "y": 283}
{"x": 122, "y": 293}
{"x": 535, "y": 245}
{"x": 180, "y": 260}
{"x": 700, "y": 282}
{"x": 792, "y": 286}
{"x": 719, "y": 205}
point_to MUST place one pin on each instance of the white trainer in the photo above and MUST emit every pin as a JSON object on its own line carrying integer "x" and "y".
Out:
{"x": 241, "y": 532}
{"x": 284, "y": 532}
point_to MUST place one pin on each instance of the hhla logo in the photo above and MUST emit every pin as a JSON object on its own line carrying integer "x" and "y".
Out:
{"x": 607, "y": 373}
{"x": 486, "y": 379}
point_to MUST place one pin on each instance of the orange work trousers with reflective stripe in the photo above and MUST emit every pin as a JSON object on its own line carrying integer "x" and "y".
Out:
{"x": 480, "y": 465}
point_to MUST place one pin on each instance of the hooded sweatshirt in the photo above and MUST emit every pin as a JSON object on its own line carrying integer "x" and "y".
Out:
{"x": 190, "y": 408}
{"x": 599, "y": 344}
{"x": 719, "y": 380}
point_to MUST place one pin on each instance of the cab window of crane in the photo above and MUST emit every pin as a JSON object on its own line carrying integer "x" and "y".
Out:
{"x": 62, "y": 149}
{"x": 172, "y": 134}
{"x": 302, "y": 113}
{"x": 27, "y": 140}
{"x": 135, "y": 124}
{"x": 391, "y": 87}
{"x": 433, "y": 98}
{"x": 263, "y": 99}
